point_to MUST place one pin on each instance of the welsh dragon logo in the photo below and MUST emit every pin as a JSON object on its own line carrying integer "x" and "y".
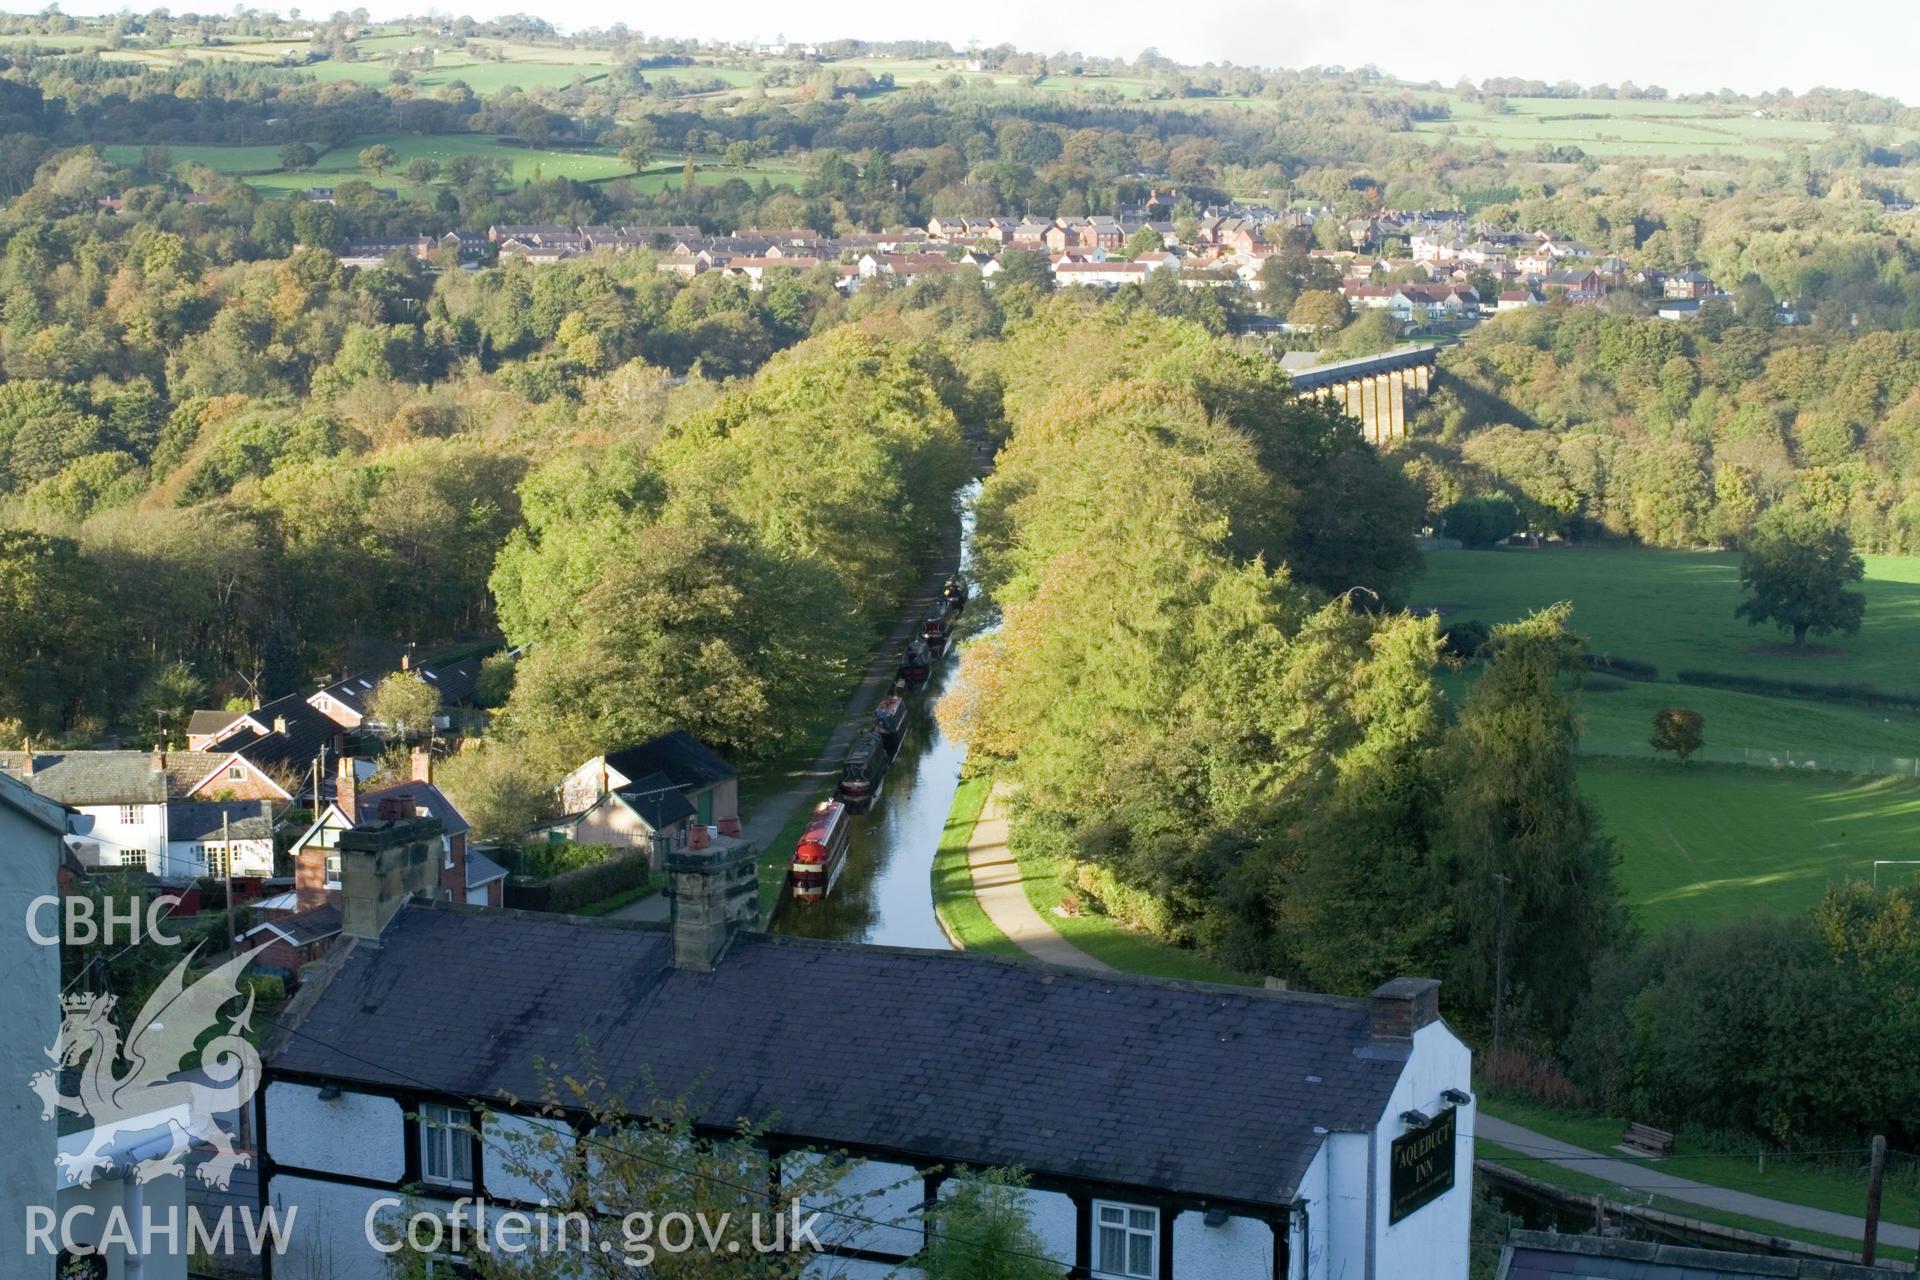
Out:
{"x": 171, "y": 1024}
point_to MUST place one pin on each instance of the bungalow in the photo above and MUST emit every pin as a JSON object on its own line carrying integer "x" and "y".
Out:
{"x": 1104, "y": 275}
{"x": 708, "y": 783}
{"x": 1266, "y": 1134}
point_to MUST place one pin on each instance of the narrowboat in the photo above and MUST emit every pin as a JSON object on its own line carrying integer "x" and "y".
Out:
{"x": 939, "y": 626}
{"x": 954, "y": 592}
{"x": 864, "y": 771}
{"x": 890, "y": 720}
{"x": 820, "y": 853}
{"x": 917, "y": 666}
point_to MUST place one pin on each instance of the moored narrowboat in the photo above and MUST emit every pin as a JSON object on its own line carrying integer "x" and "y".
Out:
{"x": 954, "y": 592}
{"x": 939, "y": 625}
{"x": 917, "y": 665}
{"x": 864, "y": 771}
{"x": 890, "y": 720}
{"x": 820, "y": 853}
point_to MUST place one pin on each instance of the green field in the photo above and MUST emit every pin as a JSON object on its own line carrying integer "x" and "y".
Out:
{"x": 260, "y": 165}
{"x": 1714, "y": 842}
{"x": 1675, "y": 610}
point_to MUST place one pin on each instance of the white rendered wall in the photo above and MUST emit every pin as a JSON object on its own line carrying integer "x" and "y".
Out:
{"x": 1053, "y": 1217}
{"x": 360, "y": 1134}
{"x": 521, "y": 1154}
{"x": 1431, "y": 1241}
{"x": 888, "y": 1194}
{"x": 327, "y": 1239}
{"x": 1237, "y": 1249}
{"x": 29, "y": 1009}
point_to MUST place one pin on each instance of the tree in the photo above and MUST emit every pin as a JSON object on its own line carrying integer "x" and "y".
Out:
{"x": 1795, "y": 574}
{"x": 405, "y": 705}
{"x": 379, "y": 157}
{"x": 297, "y": 157}
{"x": 165, "y": 701}
{"x": 1480, "y": 521}
{"x": 423, "y": 169}
{"x": 981, "y": 1229}
{"x": 1145, "y": 240}
{"x": 500, "y": 792}
{"x": 1319, "y": 309}
{"x": 1679, "y": 730}
{"x": 1530, "y": 871}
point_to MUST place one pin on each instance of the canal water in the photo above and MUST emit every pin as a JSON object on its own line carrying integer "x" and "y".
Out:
{"x": 885, "y": 891}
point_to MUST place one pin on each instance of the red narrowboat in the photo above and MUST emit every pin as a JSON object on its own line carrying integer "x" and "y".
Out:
{"x": 821, "y": 853}
{"x": 939, "y": 625}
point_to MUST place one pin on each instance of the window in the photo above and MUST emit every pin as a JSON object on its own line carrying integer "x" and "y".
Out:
{"x": 129, "y": 815}
{"x": 216, "y": 858}
{"x": 446, "y": 853}
{"x": 236, "y": 773}
{"x": 1126, "y": 1240}
{"x": 333, "y": 870}
{"x": 446, "y": 1144}
{"x": 134, "y": 859}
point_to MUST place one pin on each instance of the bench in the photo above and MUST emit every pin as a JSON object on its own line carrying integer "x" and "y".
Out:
{"x": 1644, "y": 1137}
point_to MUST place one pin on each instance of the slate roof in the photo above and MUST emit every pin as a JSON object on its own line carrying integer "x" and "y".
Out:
{"x": 1542, "y": 1255}
{"x": 17, "y": 795}
{"x": 657, "y": 799}
{"x": 688, "y": 762}
{"x": 308, "y": 729}
{"x": 482, "y": 870}
{"x": 1197, "y": 1090}
{"x": 200, "y": 820}
{"x": 404, "y": 800}
{"x": 202, "y": 723}
{"x": 303, "y": 927}
{"x": 80, "y": 778}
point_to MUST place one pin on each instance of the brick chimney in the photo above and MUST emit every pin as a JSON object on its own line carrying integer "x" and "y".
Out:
{"x": 346, "y": 789}
{"x": 381, "y": 868}
{"x": 422, "y": 764}
{"x": 280, "y": 725}
{"x": 1400, "y": 1007}
{"x": 26, "y": 766}
{"x": 713, "y": 892}
{"x": 159, "y": 760}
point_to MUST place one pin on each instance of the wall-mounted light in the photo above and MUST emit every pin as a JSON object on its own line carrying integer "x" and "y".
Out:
{"x": 1216, "y": 1218}
{"x": 328, "y": 1092}
{"x": 1415, "y": 1119}
{"x": 1458, "y": 1097}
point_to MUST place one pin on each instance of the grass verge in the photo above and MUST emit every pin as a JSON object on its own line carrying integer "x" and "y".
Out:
{"x": 953, "y": 901}
{"x": 1109, "y": 941}
{"x": 607, "y": 906}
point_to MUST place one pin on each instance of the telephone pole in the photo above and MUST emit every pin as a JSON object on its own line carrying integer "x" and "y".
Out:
{"x": 1876, "y": 1175}
{"x": 1499, "y": 975}
{"x": 226, "y": 842}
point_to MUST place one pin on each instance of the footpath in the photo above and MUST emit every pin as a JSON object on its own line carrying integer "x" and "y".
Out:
{"x": 1650, "y": 1178}
{"x": 997, "y": 887}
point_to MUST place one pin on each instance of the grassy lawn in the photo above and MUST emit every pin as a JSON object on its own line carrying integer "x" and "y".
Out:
{"x": 1714, "y": 842}
{"x": 1586, "y": 1184}
{"x": 953, "y": 901}
{"x": 1820, "y": 1184}
{"x": 1106, "y": 939}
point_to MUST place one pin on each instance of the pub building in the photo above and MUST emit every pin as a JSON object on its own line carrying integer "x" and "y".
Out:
{"x": 1169, "y": 1130}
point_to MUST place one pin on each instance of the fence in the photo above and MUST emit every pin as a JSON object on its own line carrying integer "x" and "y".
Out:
{"x": 1766, "y": 758}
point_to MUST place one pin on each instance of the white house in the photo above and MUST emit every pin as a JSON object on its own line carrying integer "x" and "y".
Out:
{"x": 708, "y": 782}
{"x": 1169, "y": 1130}
{"x": 215, "y": 838}
{"x": 124, "y": 797}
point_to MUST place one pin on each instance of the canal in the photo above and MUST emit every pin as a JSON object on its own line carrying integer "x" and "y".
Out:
{"x": 885, "y": 892}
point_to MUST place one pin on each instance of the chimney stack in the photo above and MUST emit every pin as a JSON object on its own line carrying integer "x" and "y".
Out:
{"x": 26, "y": 766}
{"x": 159, "y": 760}
{"x": 381, "y": 868}
{"x": 422, "y": 765}
{"x": 1400, "y": 1007}
{"x": 346, "y": 789}
{"x": 713, "y": 892}
{"x": 406, "y": 660}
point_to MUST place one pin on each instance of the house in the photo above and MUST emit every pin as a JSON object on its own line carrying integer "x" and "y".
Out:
{"x": 465, "y": 876}
{"x": 218, "y": 838}
{"x": 346, "y": 702}
{"x": 648, "y": 813}
{"x": 1689, "y": 285}
{"x": 708, "y": 783}
{"x": 32, "y": 829}
{"x": 1105, "y": 275}
{"x": 285, "y": 736}
{"x": 123, "y": 798}
{"x": 204, "y": 728}
{"x": 1547, "y": 1255}
{"x": 1516, "y": 300}
{"x": 1168, "y": 1129}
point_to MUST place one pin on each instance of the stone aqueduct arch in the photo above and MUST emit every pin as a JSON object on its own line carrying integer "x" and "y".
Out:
{"x": 1377, "y": 391}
